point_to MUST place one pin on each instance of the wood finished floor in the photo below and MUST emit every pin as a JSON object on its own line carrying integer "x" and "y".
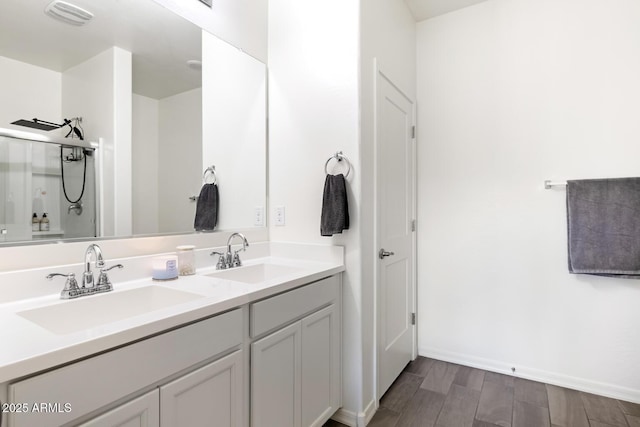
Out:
{"x": 432, "y": 393}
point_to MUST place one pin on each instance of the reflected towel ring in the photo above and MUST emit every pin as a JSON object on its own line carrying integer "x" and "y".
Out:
{"x": 339, "y": 157}
{"x": 211, "y": 170}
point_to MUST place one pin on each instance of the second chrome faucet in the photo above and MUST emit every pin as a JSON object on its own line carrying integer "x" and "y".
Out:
{"x": 231, "y": 259}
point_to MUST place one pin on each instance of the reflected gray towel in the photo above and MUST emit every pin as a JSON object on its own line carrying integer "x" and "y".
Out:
{"x": 207, "y": 208}
{"x": 603, "y": 220}
{"x": 335, "y": 208}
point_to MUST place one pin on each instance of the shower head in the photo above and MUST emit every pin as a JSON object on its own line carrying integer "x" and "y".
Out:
{"x": 38, "y": 124}
{"x": 74, "y": 131}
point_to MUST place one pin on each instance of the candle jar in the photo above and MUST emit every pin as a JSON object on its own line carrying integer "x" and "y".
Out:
{"x": 186, "y": 260}
{"x": 165, "y": 268}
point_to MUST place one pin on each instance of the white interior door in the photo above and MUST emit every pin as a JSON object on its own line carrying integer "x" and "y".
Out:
{"x": 395, "y": 212}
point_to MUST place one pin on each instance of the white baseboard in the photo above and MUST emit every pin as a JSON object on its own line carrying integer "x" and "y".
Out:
{"x": 369, "y": 412}
{"x": 352, "y": 419}
{"x": 554, "y": 378}
{"x": 348, "y": 418}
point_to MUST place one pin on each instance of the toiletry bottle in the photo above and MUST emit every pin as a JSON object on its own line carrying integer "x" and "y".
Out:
{"x": 35, "y": 223}
{"x": 44, "y": 223}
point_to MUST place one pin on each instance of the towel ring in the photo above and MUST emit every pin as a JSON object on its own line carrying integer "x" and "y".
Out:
{"x": 210, "y": 171}
{"x": 339, "y": 157}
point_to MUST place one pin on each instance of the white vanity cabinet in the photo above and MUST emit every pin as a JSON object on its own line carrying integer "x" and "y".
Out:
{"x": 211, "y": 395}
{"x": 296, "y": 366}
{"x": 143, "y": 411}
{"x": 188, "y": 372}
{"x": 267, "y": 363}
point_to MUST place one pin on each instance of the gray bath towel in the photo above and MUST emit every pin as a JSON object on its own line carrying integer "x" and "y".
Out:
{"x": 207, "y": 208}
{"x": 335, "y": 207}
{"x": 603, "y": 219}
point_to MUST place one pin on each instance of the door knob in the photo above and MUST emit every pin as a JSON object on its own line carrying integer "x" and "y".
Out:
{"x": 382, "y": 254}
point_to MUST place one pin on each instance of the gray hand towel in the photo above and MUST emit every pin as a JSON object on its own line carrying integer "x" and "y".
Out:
{"x": 603, "y": 220}
{"x": 335, "y": 207}
{"x": 207, "y": 208}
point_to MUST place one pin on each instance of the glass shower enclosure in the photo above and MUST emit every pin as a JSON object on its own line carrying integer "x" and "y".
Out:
{"x": 43, "y": 175}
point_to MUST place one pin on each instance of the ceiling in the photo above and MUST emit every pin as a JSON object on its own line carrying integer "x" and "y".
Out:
{"x": 425, "y": 9}
{"x": 160, "y": 40}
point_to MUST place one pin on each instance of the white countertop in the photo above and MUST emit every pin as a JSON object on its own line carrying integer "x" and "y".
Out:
{"x": 27, "y": 348}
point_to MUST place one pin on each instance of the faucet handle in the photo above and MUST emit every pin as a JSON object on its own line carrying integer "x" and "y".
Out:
{"x": 103, "y": 279}
{"x": 221, "y": 265}
{"x": 236, "y": 259}
{"x": 70, "y": 286}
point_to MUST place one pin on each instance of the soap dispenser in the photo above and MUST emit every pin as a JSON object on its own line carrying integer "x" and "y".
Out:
{"x": 35, "y": 222}
{"x": 44, "y": 223}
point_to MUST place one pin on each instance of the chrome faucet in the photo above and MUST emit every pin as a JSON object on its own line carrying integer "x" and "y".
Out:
{"x": 87, "y": 277}
{"x": 71, "y": 288}
{"x": 231, "y": 259}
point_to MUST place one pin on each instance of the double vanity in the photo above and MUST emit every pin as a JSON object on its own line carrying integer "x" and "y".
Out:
{"x": 253, "y": 345}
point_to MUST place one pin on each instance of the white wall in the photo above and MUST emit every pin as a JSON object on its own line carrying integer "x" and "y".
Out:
{"x": 313, "y": 112}
{"x": 28, "y": 92}
{"x": 234, "y": 133}
{"x": 243, "y": 23}
{"x": 99, "y": 90}
{"x": 179, "y": 160}
{"x": 388, "y": 34}
{"x": 512, "y": 93}
{"x": 144, "y": 157}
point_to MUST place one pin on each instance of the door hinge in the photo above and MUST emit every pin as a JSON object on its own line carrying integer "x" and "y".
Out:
{"x": 413, "y": 318}
{"x": 413, "y": 132}
{"x": 413, "y": 225}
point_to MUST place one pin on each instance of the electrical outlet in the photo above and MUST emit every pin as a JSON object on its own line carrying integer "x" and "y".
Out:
{"x": 279, "y": 219}
{"x": 258, "y": 219}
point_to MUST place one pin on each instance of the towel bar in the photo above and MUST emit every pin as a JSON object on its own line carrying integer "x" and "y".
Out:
{"x": 550, "y": 184}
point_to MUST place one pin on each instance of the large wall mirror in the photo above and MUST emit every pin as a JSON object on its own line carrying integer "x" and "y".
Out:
{"x": 163, "y": 102}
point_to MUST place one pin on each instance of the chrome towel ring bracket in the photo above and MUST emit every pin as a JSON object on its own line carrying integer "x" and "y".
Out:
{"x": 210, "y": 173}
{"x": 339, "y": 157}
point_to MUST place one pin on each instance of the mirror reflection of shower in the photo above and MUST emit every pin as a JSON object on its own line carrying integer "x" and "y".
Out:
{"x": 77, "y": 154}
{"x": 77, "y": 180}
{"x": 48, "y": 186}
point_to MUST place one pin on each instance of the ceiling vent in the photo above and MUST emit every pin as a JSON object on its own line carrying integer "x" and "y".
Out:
{"x": 67, "y": 12}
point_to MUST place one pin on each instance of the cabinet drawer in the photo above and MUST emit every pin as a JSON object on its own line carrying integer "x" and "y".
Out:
{"x": 271, "y": 313}
{"x": 95, "y": 382}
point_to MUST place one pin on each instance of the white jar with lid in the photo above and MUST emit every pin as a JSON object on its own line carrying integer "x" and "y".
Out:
{"x": 186, "y": 260}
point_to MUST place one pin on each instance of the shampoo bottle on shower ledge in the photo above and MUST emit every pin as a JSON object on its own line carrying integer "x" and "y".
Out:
{"x": 44, "y": 223}
{"x": 35, "y": 222}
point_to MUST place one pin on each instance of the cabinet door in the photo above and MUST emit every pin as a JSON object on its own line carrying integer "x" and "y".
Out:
{"x": 320, "y": 366}
{"x": 209, "y": 396}
{"x": 141, "y": 412}
{"x": 275, "y": 379}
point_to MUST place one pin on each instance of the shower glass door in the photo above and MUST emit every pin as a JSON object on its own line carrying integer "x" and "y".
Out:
{"x": 15, "y": 186}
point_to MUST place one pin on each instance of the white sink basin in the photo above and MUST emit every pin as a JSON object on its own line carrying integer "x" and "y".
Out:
{"x": 255, "y": 273}
{"x": 88, "y": 312}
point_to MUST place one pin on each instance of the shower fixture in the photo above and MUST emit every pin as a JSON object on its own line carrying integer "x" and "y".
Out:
{"x": 75, "y": 130}
{"x": 37, "y": 124}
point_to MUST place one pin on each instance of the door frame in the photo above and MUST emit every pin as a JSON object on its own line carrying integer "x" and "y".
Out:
{"x": 378, "y": 74}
